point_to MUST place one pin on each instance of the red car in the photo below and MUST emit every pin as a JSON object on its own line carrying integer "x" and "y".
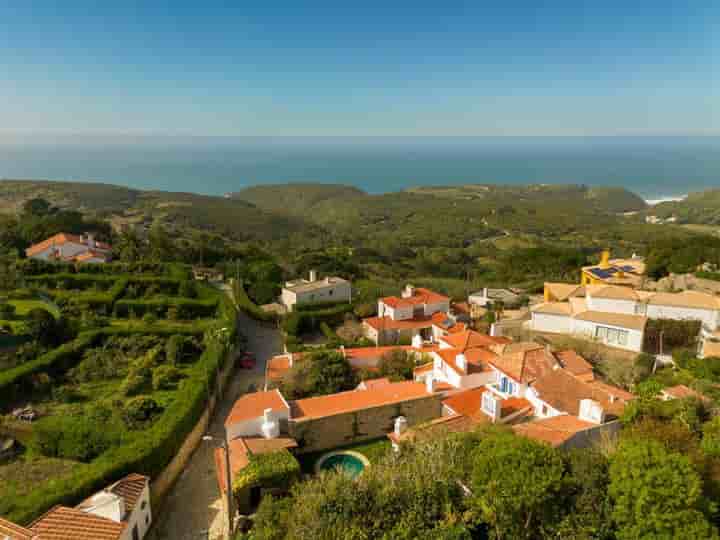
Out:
{"x": 247, "y": 361}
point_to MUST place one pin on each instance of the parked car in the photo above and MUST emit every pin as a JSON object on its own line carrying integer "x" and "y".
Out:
{"x": 247, "y": 361}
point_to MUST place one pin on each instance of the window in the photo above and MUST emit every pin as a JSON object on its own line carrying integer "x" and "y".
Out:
{"x": 143, "y": 505}
{"x": 330, "y": 292}
{"x": 612, "y": 336}
{"x": 544, "y": 410}
{"x": 503, "y": 385}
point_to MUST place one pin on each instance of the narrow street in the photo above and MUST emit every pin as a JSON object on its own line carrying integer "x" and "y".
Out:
{"x": 193, "y": 508}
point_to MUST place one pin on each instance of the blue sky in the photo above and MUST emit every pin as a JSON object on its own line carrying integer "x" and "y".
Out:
{"x": 552, "y": 67}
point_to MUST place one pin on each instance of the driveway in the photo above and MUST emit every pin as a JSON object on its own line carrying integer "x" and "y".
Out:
{"x": 193, "y": 508}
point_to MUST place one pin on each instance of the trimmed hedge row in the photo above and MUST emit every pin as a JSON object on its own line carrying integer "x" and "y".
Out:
{"x": 70, "y": 281}
{"x": 147, "y": 454}
{"x": 33, "y": 267}
{"x": 186, "y": 309}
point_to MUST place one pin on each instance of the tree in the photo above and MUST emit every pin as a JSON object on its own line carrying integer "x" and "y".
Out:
{"x": 656, "y": 494}
{"x": 516, "y": 484}
{"x": 42, "y": 326}
{"x": 397, "y": 365}
{"x": 318, "y": 374}
{"x": 36, "y": 207}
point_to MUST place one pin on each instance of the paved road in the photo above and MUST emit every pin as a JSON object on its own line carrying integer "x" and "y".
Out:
{"x": 193, "y": 505}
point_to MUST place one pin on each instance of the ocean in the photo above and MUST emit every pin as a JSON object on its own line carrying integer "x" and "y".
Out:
{"x": 653, "y": 167}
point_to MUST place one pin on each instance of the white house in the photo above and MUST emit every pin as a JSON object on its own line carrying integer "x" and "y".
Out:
{"x": 119, "y": 512}
{"x": 315, "y": 291}
{"x": 70, "y": 248}
{"x": 616, "y": 316}
{"x": 416, "y": 312}
{"x": 258, "y": 414}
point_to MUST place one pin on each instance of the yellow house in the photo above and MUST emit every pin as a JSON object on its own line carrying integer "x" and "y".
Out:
{"x": 625, "y": 272}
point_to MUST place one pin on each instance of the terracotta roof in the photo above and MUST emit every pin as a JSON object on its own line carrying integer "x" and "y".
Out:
{"x": 562, "y": 291}
{"x": 420, "y": 296}
{"x": 711, "y": 348}
{"x": 388, "y": 323}
{"x": 461, "y": 307}
{"x": 513, "y": 405}
{"x": 353, "y": 400}
{"x": 563, "y": 392}
{"x": 440, "y": 427}
{"x": 553, "y": 308}
{"x": 555, "y": 430}
{"x": 611, "y": 390}
{"x": 471, "y": 339}
{"x": 611, "y": 292}
{"x": 688, "y": 299}
{"x": 130, "y": 489}
{"x": 373, "y": 383}
{"x": 15, "y": 532}
{"x": 681, "y": 391}
{"x": 622, "y": 320}
{"x": 278, "y": 366}
{"x": 575, "y": 364}
{"x": 478, "y": 359}
{"x": 60, "y": 239}
{"x": 240, "y": 451}
{"x": 253, "y": 405}
{"x": 91, "y": 254}
{"x": 524, "y": 362}
{"x": 62, "y": 523}
{"x": 466, "y": 403}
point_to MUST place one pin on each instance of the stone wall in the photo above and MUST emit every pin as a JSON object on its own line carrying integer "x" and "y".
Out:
{"x": 338, "y": 430}
{"x": 164, "y": 481}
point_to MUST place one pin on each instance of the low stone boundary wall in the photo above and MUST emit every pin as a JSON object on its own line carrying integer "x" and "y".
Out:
{"x": 160, "y": 485}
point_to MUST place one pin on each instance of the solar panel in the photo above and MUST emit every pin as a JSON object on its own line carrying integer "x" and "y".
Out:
{"x": 603, "y": 273}
{"x": 627, "y": 268}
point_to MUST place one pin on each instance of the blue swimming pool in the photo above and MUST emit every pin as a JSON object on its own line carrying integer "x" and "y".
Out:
{"x": 350, "y": 463}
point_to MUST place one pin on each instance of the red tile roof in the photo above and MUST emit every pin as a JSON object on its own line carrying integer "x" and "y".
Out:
{"x": 471, "y": 339}
{"x": 388, "y": 323}
{"x": 15, "y": 532}
{"x": 278, "y": 366}
{"x": 253, "y": 405}
{"x": 420, "y": 296}
{"x": 439, "y": 427}
{"x": 478, "y": 360}
{"x": 355, "y": 400}
{"x": 60, "y": 239}
{"x": 62, "y": 523}
{"x": 373, "y": 383}
{"x": 555, "y": 430}
{"x": 467, "y": 403}
{"x": 523, "y": 362}
{"x": 575, "y": 364}
{"x": 130, "y": 489}
{"x": 681, "y": 392}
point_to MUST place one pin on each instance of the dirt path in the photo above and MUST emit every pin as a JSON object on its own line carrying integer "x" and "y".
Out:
{"x": 193, "y": 508}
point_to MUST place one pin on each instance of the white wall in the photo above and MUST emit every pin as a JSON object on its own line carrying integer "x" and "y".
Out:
{"x": 288, "y": 298}
{"x": 532, "y": 396}
{"x": 707, "y": 316}
{"x": 141, "y": 515}
{"x": 587, "y": 330}
{"x": 609, "y": 305}
{"x": 438, "y": 306}
{"x": 556, "y": 324}
{"x": 252, "y": 427}
{"x": 340, "y": 292}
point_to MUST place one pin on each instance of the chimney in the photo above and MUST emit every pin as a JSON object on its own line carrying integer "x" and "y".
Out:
{"x": 327, "y": 280}
{"x": 417, "y": 341}
{"x": 90, "y": 240}
{"x": 430, "y": 384}
{"x": 400, "y": 425}
{"x": 591, "y": 411}
{"x": 409, "y": 291}
{"x": 605, "y": 258}
{"x": 342, "y": 351}
{"x": 270, "y": 427}
{"x": 485, "y": 294}
{"x": 461, "y": 362}
{"x": 313, "y": 276}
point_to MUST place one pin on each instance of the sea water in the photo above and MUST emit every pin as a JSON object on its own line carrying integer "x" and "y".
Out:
{"x": 654, "y": 167}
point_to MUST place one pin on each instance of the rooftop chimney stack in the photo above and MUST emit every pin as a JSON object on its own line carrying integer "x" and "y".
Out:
{"x": 270, "y": 427}
{"x": 408, "y": 292}
{"x": 430, "y": 384}
{"x": 461, "y": 362}
{"x": 400, "y": 425}
{"x": 313, "y": 276}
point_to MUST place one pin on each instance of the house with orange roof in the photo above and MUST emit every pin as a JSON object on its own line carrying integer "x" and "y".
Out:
{"x": 71, "y": 248}
{"x": 410, "y": 315}
{"x": 119, "y": 512}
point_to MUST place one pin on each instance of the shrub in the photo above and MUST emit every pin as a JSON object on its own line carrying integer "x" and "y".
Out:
{"x": 140, "y": 411}
{"x": 397, "y": 365}
{"x": 66, "y": 394}
{"x": 72, "y": 437}
{"x": 273, "y": 470}
{"x": 643, "y": 366}
{"x": 135, "y": 383}
{"x": 7, "y": 311}
{"x": 165, "y": 377}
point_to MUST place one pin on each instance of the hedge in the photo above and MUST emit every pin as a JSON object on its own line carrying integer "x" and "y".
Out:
{"x": 187, "y": 309}
{"x": 271, "y": 470}
{"x": 299, "y": 322}
{"x": 147, "y": 454}
{"x": 249, "y": 307}
{"x": 317, "y": 306}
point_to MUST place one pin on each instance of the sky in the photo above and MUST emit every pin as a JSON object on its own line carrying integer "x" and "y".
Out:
{"x": 329, "y": 68}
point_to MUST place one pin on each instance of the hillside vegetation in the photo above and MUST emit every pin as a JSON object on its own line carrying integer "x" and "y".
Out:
{"x": 701, "y": 207}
